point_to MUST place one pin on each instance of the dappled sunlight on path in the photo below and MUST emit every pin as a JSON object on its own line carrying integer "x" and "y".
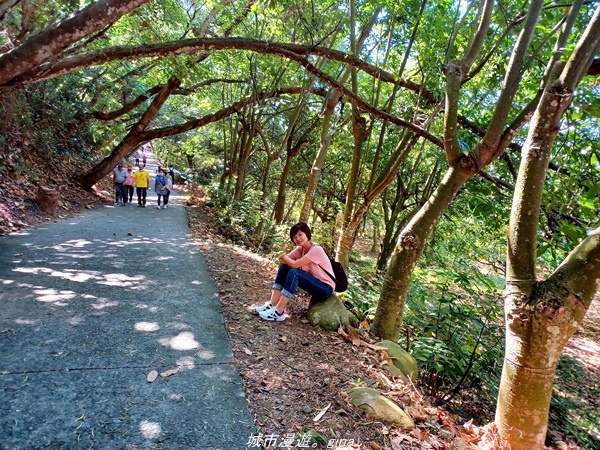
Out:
{"x": 88, "y": 308}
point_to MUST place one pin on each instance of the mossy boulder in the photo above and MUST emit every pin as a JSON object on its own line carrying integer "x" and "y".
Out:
{"x": 329, "y": 314}
{"x": 380, "y": 407}
{"x": 403, "y": 364}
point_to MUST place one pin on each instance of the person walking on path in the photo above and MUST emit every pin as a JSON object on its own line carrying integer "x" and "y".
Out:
{"x": 137, "y": 158}
{"x": 160, "y": 187}
{"x": 303, "y": 267}
{"x": 144, "y": 159}
{"x": 169, "y": 188}
{"x": 119, "y": 177}
{"x": 142, "y": 181}
{"x": 129, "y": 184}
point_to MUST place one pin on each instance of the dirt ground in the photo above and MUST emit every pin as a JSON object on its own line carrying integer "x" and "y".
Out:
{"x": 293, "y": 371}
{"x": 23, "y": 171}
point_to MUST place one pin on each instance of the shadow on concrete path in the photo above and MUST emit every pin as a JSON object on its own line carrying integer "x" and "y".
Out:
{"x": 88, "y": 307}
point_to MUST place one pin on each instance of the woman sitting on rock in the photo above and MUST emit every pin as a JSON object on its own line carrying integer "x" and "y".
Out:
{"x": 303, "y": 267}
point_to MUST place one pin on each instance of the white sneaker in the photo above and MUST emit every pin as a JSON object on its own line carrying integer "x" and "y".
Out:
{"x": 158, "y": 207}
{"x": 266, "y": 307}
{"x": 272, "y": 315}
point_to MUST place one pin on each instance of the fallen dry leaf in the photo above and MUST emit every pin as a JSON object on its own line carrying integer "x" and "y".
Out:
{"x": 168, "y": 373}
{"x": 152, "y": 375}
{"x": 420, "y": 434}
{"x": 342, "y": 333}
{"x": 356, "y": 341}
{"x": 417, "y": 412}
{"x": 375, "y": 445}
{"x": 399, "y": 440}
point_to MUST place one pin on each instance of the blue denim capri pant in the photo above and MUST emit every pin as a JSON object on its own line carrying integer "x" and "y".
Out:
{"x": 288, "y": 280}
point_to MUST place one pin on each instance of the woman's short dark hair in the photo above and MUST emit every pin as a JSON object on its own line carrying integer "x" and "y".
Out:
{"x": 300, "y": 226}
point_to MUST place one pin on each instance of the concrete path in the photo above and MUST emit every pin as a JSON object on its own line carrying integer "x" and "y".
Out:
{"x": 88, "y": 307}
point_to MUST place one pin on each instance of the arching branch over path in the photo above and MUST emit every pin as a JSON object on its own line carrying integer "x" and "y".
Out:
{"x": 139, "y": 134}
{"x": 188, "y": 46}
{"x": 55, "y": 39}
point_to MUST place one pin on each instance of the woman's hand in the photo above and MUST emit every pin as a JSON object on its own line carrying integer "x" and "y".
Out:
{"x": 282, "y": 258}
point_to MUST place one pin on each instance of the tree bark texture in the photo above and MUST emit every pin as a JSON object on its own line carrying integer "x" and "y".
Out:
{"x": 540, "y": 319}
{"x": 541, "y": 316}
{"x": 53, "y": 40}
{"x": 388, "y": 318}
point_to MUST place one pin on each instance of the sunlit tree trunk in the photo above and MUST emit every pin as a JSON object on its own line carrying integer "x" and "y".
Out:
{"x": 315, "y": 170}
{"x": 541, "y": 316}
{"x": 408, "y": 250}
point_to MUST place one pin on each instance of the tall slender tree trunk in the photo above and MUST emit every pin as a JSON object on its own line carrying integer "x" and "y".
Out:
{"x": 408, "y": 250}
{"x": 242, "y": 164}
{"x": 315, "y": 170}
{"x": 541, "y": 316}
{"x": 350, "y": 229}
{"x": 292, "y": 151}
{"x": 280, "y": 205}
{"x": 330, "y": 104}
{"x": 229, "y": 155}
{"x": 286, "y": 144}
{"x": 359, "y": 130}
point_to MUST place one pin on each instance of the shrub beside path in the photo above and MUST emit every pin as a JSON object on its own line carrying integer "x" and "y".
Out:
{"x": 89, "y": 307}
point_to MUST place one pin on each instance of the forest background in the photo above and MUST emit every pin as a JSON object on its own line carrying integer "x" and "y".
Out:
{"x": 458, "y": 138}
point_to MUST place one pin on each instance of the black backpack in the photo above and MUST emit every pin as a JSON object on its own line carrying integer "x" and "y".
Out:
{"x": 339, "y": 276}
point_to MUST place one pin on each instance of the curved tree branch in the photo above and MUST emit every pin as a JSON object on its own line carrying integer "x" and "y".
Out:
{"x": 67, "y": 65}
{"x": 486, "y": 151}
{"x": 456, "y": 72}
{"x": 139, "y": 134}
{"x": 221, "y": 114}
{"x": 54, "y": 39}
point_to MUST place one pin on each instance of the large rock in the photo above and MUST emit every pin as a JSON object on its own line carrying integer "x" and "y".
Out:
{"x": 47, "y": 199}
{"x": 329, "y": 314}
{"x": 403, "y": 364}
{"x": 380, "y": 407}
